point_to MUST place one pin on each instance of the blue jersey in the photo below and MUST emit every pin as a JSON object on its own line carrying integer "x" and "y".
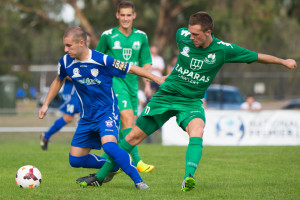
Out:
{"x": 92, "y": 79}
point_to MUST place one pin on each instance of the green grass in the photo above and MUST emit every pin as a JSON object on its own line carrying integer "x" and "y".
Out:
{"x": 224, "y": 172}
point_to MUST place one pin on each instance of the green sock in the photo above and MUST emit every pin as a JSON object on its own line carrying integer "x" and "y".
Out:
{"x": 134, "y": 152}
{"x": 106, "y": 169}
{"x": 123, "y": 144}
{"x": 193, "y": 155}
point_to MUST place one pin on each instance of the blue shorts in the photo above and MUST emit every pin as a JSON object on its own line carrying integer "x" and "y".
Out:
{"x": 70, "y": 105}
{"x": 88, "y": 135}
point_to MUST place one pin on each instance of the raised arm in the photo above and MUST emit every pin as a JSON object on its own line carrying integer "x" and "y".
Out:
{"x": 268, "y": 59}
{"x": 54, "y": 89}
{"x": 144, "y": 73}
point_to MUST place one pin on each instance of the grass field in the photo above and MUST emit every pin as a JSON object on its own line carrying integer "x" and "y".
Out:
{"x": 223, "y": 173}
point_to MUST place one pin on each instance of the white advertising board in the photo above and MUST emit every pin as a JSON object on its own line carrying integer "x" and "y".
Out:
{"x": 241, "y": 128}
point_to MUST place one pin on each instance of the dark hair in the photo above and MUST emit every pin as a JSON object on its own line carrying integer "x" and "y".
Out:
{"x": 126, "y": 4}
{"x": 203, "y": 19}
{"x": 77, "y": 33}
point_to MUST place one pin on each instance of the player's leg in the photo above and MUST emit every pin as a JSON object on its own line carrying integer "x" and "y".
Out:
{"x": 195, "y": 128}
{"x": 117, "y": 156}
{"x": 128, "y": 106}
{"x": 82, "y": 142}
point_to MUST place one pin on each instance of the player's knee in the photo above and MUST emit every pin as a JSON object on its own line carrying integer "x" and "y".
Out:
{"x": 134, "y": 138}
{"x": 110, "y": 148}
{"x": 77, "y": 161}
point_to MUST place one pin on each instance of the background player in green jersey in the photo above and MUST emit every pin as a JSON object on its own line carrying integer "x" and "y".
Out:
{"x": 127, "y": 44}
{"x": 200, "y": 57}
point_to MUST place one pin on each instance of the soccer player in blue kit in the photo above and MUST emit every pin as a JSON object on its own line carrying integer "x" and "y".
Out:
{"x": 69, "y": 106}
{"x": 92, "y": 73}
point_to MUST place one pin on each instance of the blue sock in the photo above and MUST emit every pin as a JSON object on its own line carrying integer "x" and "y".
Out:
{"x": 122, "y": 159}
{"x": 57, "y": 125}
{"x": 88, "y": 161}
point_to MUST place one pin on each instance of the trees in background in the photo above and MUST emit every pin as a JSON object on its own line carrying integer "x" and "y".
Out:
{"x": 31, "y": 30}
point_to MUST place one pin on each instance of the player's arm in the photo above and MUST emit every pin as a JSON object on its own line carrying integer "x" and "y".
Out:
{"x": 268, "y": 59}
{"x": 147, "y": 89}
{"x": 54, "y": 89}
{"x": 144, "y": 73}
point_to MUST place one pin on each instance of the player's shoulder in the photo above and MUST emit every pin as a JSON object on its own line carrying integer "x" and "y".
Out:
{"x": 183, "y": 32}
{"x": 139, "y": 32}
{"x": 222, "y": 44}
{"x": 108, "y": 32}
{"x": 98, "y": 57}
{"x": 66, "y": 60}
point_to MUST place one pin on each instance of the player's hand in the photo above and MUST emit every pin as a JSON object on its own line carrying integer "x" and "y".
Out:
{"x": 290, "y": 64}
{"x": 161, "y": 80}
{"x": 43, "y": 111}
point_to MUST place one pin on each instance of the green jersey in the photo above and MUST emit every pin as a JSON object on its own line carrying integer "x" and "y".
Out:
{"x": 133, "y": 49}
{"x": 196, "y": 67}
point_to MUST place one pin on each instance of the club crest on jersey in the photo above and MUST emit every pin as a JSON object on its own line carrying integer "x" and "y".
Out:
{"x": 76, "y": 73}
{"x": 210, "y": 59}
{"x": 196, "y": 64}
{"x": 136, "y": 45}
{"x": 185, "y": 51}
{"x": 109, "y": 123}
{"x": 117, "y": 45}
{"x": 95, "y": 72}
{"x": 127, "y": 52}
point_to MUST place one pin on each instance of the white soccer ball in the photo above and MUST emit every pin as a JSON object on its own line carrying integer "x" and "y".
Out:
{"x": 28, "y": 176}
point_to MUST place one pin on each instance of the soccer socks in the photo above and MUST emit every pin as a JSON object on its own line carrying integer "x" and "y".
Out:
{"x": 193, "y": 155}
{"x": 89, "y": 161}
{"x": 57, "y": 125}
{"x": 134, "y": 152}
{"x": 122, "y": 158}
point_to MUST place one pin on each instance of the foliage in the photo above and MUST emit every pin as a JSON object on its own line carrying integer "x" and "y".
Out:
{"x": 31, "y": 30}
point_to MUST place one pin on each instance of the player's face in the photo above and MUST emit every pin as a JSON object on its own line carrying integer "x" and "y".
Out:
{"x": 126, "y": 17}
{"x": 73, "y": 48}
{"x": 199, "y": 37}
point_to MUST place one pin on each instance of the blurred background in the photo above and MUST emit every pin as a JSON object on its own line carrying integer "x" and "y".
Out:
{"x": 31, "y": 44}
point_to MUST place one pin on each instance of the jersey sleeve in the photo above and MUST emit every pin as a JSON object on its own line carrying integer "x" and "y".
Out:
{"x": 145, "y": 55}
{"x": 237, "y": 54}
{"x": 102, "y": 44}
{"x": 61, "y": 70}
{"x": 116, "y": 67}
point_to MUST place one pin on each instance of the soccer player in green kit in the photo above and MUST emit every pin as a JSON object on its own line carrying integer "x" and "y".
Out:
{"x": 127, "y": 44}
{"x": 201, "y": 55}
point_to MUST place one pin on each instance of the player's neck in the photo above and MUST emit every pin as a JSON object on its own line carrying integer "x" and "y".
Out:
{"x": 207, "y": 43}
{"x": 85, "y": 54}
{"x": 125, "y": 31}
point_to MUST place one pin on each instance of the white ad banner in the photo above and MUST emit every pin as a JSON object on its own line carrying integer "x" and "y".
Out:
{"x": 241, "y": 128}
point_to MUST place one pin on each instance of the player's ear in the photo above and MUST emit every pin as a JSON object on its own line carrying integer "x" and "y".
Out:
{"x": 134, "y": 15}
{"x": 81, "y": 43}
{"x": 208, "y": 32}
{"x": 117, "y": 15}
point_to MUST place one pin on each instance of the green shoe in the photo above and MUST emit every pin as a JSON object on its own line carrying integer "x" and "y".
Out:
{"x": 188, "y": 184}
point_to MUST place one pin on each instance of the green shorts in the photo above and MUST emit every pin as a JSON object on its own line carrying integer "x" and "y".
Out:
{"x": 126, "y": 94}
{"x": 163, "y": 106}
{"x": 125, "y": 101}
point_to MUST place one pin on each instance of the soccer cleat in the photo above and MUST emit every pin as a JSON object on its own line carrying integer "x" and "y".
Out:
{"x": 111, "y": 175}
{"x": 188, "y": 184}
{"x": 81, "y": 179}
{"x": 142, "y": 186}
{"x": 43, "y": 142}
{"x": 90, "y": 180}
{"x": 143, "y": 167}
